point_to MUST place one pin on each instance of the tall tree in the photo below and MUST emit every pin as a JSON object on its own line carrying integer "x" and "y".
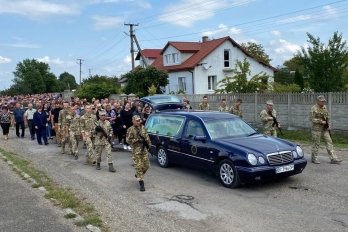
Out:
{"x": 98, "y": 87}
{"x": 32, "y": 76}
{"x": 257, "y": 51}
{"x": 325, "y": 65}
{"x": 139, "y": 80}
{"x": 298, "y": 79}
{"x": 67, "y": 81}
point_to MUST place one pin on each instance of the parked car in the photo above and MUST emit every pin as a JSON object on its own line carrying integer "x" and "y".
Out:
{"x": 222, "y": 143}
{"x": 162, "y": 102}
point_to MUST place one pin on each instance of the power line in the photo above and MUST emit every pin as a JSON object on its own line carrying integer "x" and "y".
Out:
{"x": 248, "y": 22}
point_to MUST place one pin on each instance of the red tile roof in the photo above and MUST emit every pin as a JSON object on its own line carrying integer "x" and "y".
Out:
{"x": 200, "y": 50}
{"x": 149, "y": 53}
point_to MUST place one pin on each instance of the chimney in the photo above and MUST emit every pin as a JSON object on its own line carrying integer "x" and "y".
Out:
{"x": 205, "y": 39}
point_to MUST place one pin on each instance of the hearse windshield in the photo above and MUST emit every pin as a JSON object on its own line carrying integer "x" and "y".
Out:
{"x": 231, "y": 127}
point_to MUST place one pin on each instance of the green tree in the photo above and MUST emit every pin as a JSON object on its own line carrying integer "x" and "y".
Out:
{"x": 286, "y": 88}
{"x": 257, "y": 51}
{"x": 325, "y": 65}
{"x": 283, "y": 76}
{"x": 140, "y": 79}
{"x": 67, "y": 81}
{"x": 238, "y": 82}
{"x": 298, "y": 79}
{"x": 98, "y": 87}
{"x": 32, "y": 77}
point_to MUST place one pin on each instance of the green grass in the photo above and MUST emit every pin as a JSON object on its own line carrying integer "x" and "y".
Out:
{"x": 304, "y": 136}
{"x": 64, "y": 197}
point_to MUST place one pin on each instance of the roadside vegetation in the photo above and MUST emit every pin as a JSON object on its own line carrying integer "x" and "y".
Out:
{"x": 304, "y": 136}
{"x": 59, "y": 196}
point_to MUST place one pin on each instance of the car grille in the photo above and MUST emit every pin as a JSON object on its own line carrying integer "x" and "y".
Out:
{"x": 282, "y": 157}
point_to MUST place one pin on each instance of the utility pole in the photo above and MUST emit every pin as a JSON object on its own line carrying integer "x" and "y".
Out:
{"x": 131, "y": 35}
{"x": 90, "y": 72}
{"x": 80, "y": 63}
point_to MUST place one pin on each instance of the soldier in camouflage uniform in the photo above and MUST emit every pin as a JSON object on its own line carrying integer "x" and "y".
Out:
{"x": 102, "y": 140}
{"x": 88, "y": 122}
{"x": 223, "y": 106}
{"x": 74, "y": 132}
{"x": 204, "y": 105}
{"x": 267, "y": 119}
{"x": 235, "y": 109}
{"x": 63, "y": 125}
{"x": 320, "y": 118}
{"x": 140, "y": 141}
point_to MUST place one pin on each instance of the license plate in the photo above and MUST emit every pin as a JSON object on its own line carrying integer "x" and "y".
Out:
{"x": 286, "y": 168}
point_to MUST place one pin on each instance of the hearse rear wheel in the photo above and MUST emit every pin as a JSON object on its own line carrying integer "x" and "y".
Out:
{"x": 228, "y": 174}
{"x": 162, "y": 157}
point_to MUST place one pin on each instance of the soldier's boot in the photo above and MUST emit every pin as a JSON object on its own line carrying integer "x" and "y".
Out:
{"x": 84, "y": 146}
{"x": 98, "y": 164}
{"x": 142, "y": 186}
{"x": 63, "y": 150}
{"x": 76, "y": 156}
{"x": 315, "y": 159}
{"x": 111, "y": 167}
{"x": 336, "y": 161}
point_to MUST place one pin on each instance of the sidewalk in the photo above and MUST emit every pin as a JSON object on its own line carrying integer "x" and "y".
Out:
{"x": 23, "y": 208}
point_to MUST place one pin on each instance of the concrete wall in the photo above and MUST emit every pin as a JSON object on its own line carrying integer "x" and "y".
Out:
{"x": 292, "y": 109}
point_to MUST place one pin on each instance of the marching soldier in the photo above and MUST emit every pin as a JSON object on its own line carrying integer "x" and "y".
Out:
{"x": 320, "y": 118}
{"x": 63, "y": 125}
{"x": 223, "y": 106}
{"x": 140, "y": 141}
{"x": 268, "y": 117}
{"x": 74, "y": 132}
{"x": 235, "y": 109}
{"x": 204, "y": 105}
{"x": 88, "y": 122}
{"x": 103, "y": 140}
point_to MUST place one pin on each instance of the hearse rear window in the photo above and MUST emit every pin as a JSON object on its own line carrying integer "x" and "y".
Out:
{"x": 164, "y": 124}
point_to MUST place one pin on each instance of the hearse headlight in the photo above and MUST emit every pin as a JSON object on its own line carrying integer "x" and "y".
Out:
{"x": 294, "y": 154}
{"x": 252, "y": 159}
{"x": 262, "y": 160}
{"x": 299, "y": 151}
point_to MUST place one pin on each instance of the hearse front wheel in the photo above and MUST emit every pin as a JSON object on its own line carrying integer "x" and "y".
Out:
{"x": 228, "y": 174}
{"x": 162, "y": 157}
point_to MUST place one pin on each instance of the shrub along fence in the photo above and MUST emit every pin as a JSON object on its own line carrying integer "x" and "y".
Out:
{"x": 292, "y": 108}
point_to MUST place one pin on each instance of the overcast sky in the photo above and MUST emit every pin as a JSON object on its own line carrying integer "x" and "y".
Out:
{"x": 60, "y": 32}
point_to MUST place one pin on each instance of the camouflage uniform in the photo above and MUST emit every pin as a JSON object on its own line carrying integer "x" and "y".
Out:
{"x": 316, "y": 116}
{"x": 140, "y": 152}
{"x": 63, "y": 124}
{"x": 236, "y": 111}
{"x": 74, "y": 135}
{"x": 102, "y": 142}
{"x": 268, "y": 129}
{"x": 88, "y": 122}
{"x": 203, "y": 106}
{"x": 223, "y": 108}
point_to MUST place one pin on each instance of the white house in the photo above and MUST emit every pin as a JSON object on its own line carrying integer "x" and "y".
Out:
{"x": 197, "y": 67}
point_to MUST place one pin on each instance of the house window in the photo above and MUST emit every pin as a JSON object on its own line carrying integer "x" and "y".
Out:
{"x": 226, "y": 58}
{"x": 211, "y": 82}
{"x": 175, "y": 57}
{"x": 182, "y": 83}
{"x": 168, "y": 59}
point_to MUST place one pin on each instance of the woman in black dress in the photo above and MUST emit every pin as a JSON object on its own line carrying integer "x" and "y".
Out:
{"x": 5, "y": 121}
{"x": 126, "y": 119}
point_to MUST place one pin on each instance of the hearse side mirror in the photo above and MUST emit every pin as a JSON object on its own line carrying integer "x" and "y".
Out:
{"x": 201, "y": 138}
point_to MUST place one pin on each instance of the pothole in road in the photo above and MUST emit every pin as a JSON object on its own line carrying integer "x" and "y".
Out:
{"x": 182, "y": 206}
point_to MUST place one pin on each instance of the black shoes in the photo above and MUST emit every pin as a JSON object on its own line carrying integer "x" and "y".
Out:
{"x": 142, "y": 186}
{"x": 98, "y": 166}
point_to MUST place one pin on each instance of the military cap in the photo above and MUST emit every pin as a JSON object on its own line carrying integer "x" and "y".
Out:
{"x": 321, "y": 98}
{"x": 102, "y": 113}
{"x": 269, "y": 102}
{"x": 136, "y": 117}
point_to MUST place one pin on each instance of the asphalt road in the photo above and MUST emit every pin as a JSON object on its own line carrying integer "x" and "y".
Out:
{"x": 180, "y": 199}
{"x": 25, "y": 209}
